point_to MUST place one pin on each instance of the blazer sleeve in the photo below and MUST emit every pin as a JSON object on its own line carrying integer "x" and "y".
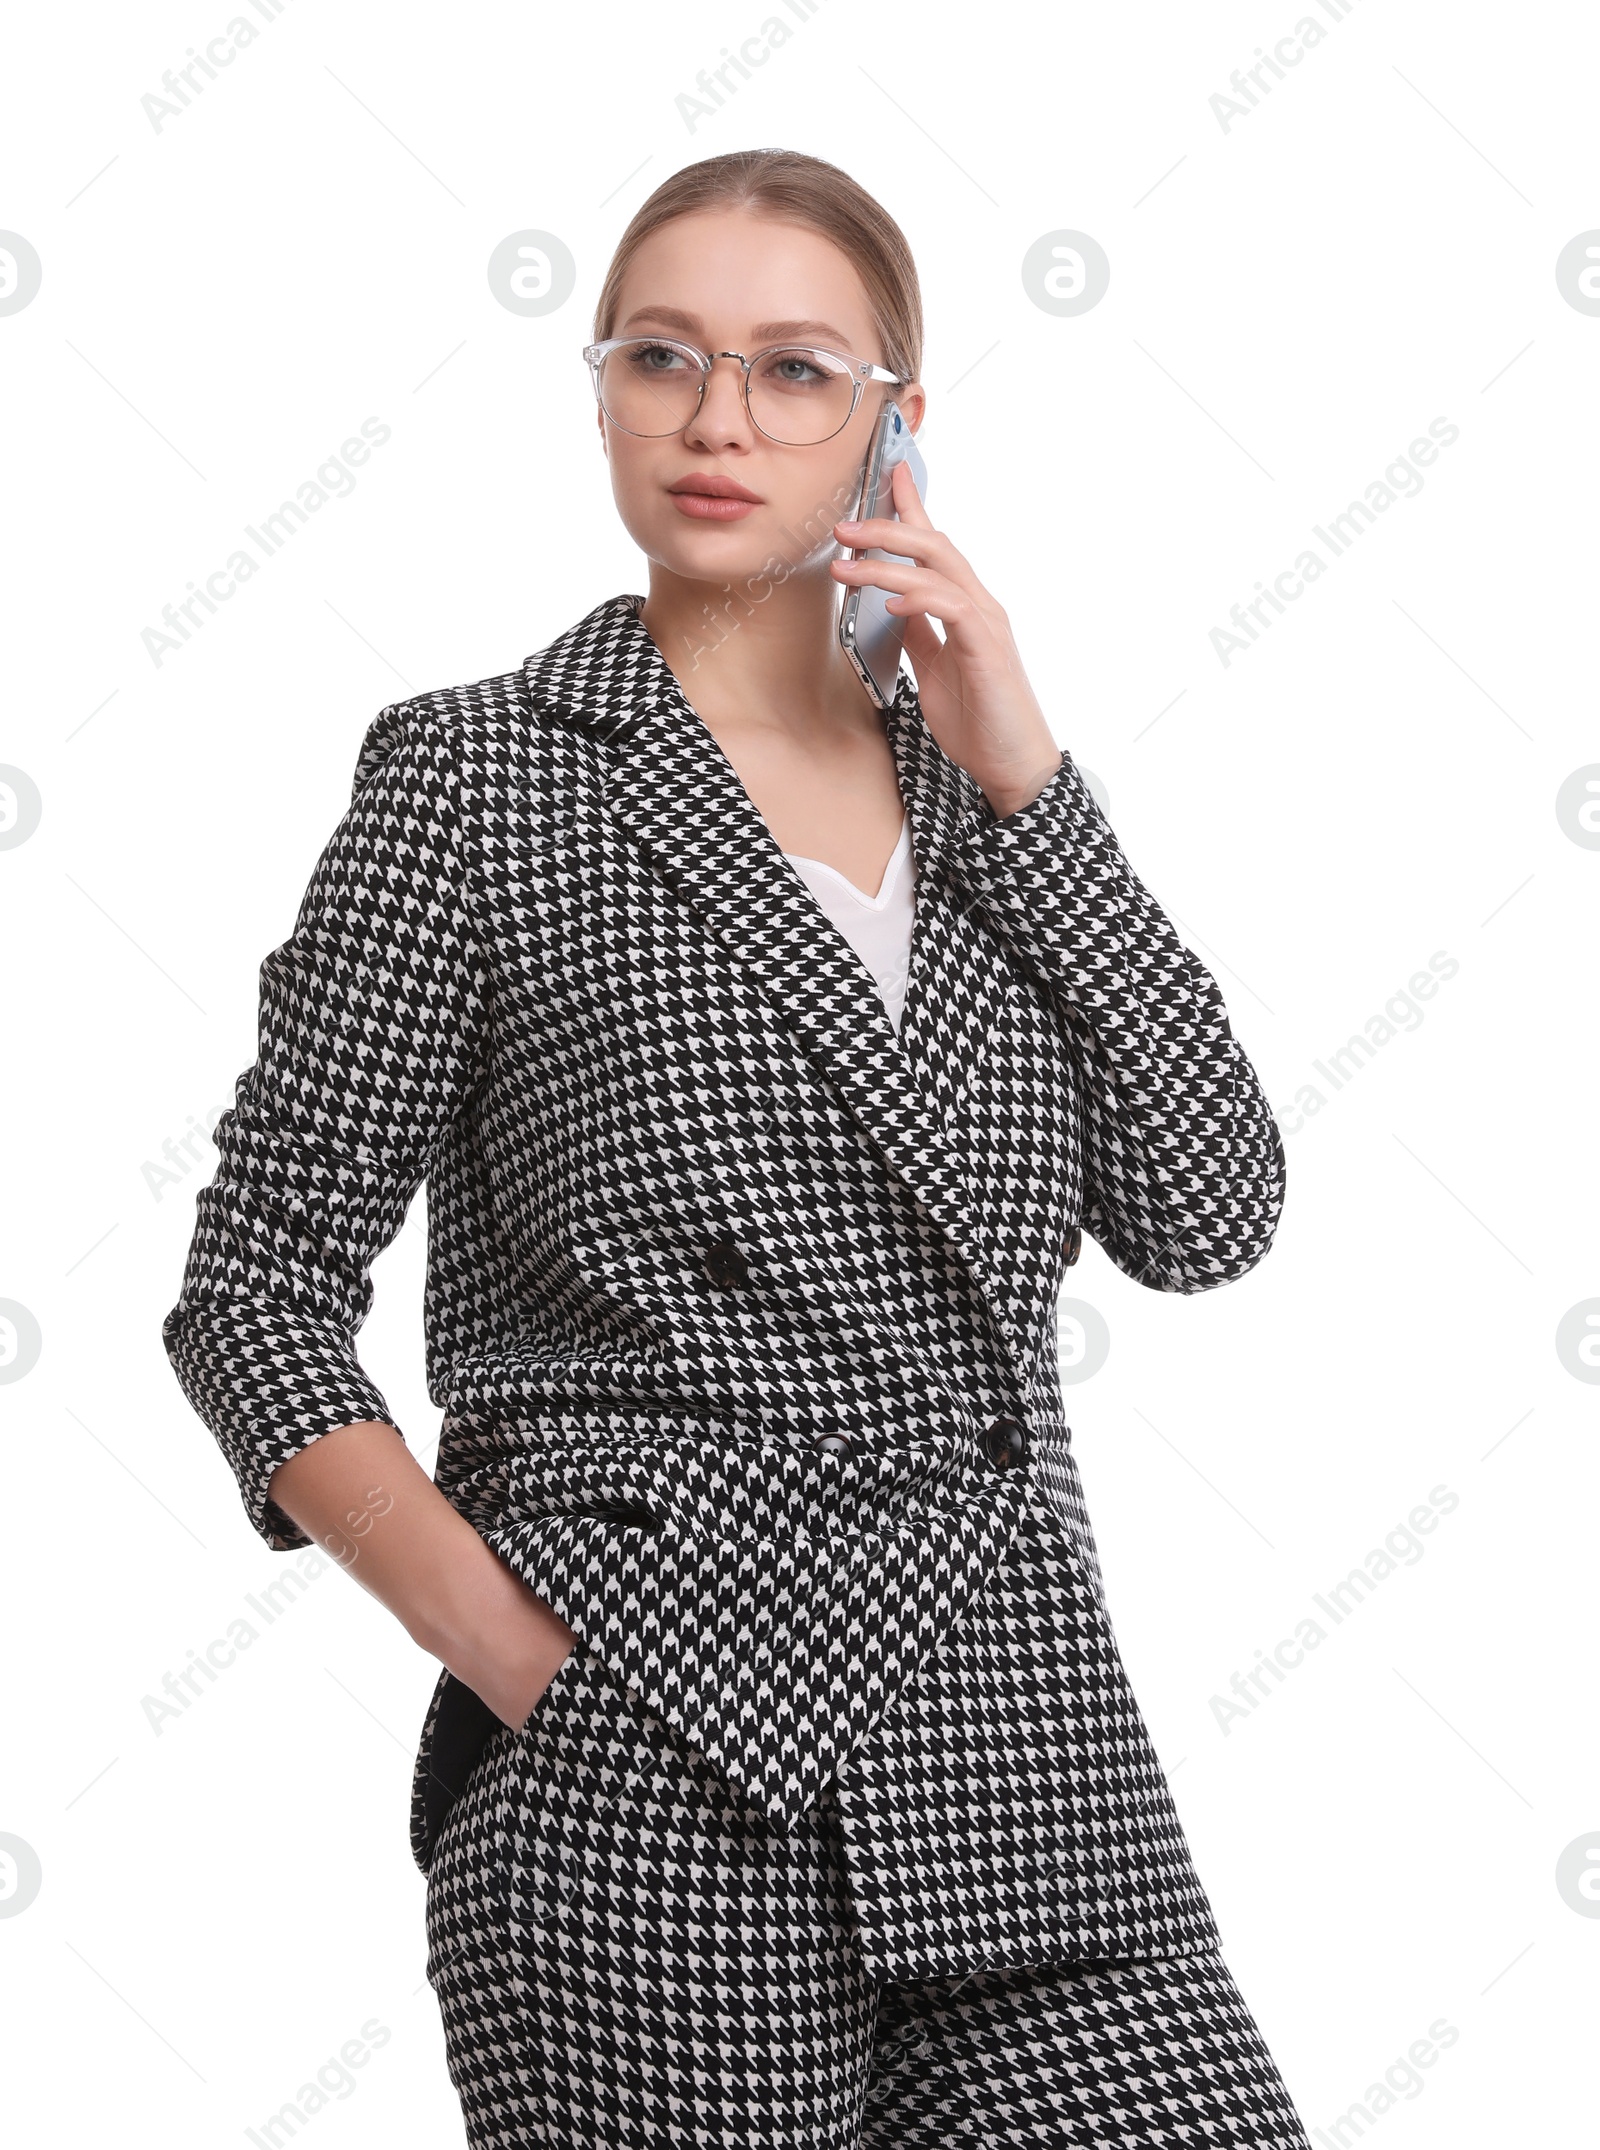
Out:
{"x": 1183, "y": 1160}
{"x": 373, "y": 1018}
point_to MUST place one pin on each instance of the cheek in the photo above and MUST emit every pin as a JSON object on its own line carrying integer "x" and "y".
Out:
{"x": 631, "y": 463}
{"x": 813, "y": 498}
{"x": 636, "y": 480}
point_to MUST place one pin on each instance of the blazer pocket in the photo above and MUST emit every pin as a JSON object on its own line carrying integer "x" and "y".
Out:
{"x": 542, "y": 1700}
{"x": 560, "y": 1795}
{"x": 456, "y": 1735}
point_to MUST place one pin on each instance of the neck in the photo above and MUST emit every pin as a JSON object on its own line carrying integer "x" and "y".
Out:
{"x": 755, "y": 651}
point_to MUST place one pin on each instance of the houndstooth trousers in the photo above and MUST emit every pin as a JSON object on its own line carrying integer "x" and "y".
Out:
{"x": 625, "y": 1953}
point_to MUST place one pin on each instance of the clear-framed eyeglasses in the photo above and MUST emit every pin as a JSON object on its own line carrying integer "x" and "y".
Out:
{"x": 795, "y": 394}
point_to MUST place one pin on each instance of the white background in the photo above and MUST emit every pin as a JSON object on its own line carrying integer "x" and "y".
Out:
{"x": 1293, "y": 299}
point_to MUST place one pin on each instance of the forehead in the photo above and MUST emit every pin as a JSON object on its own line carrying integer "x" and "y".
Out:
{"x": 728, "y": 274}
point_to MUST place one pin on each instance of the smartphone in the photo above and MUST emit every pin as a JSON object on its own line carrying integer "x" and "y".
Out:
{"x": 869, "y": 636}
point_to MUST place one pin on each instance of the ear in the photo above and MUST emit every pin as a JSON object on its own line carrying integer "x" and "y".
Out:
{"x": 913, "y": 404}
{"x": 600, "y": 421}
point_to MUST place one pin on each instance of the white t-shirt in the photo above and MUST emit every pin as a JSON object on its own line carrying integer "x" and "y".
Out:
{"x": 877, "y": 927}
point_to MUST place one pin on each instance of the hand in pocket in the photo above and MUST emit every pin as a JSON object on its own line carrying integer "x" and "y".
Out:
{"x": 514, "y": 1647}
{"x": 545, "y": 1684}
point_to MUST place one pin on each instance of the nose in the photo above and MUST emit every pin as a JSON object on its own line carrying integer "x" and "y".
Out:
{"x": 722, "y": 420}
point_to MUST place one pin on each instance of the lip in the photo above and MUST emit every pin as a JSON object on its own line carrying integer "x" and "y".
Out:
{"x": 713, "y": 499}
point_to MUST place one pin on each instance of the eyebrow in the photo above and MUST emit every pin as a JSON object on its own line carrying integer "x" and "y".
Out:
{"x": 762, "y": 331}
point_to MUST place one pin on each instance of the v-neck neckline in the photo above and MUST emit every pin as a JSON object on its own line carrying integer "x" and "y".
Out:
{"x": 888, "y": 880}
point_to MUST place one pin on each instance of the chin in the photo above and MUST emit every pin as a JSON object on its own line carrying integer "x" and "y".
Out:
{"x": 706, "y": 555}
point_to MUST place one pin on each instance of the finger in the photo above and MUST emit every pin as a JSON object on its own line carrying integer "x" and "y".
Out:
{"x": 894, "y": 536}
{"x": 907, "y": 500}
{"x": 923, "y": 643}
{"x": 916, "y": 541}
{"x": 912, "y": 592}
{"x": 884, "y": 575}
{"x": 914, "y": 589}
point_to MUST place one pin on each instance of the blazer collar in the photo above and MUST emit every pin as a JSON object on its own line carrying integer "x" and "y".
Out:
{"x": 606, "y": 675}
{"x": 672, "y": 786}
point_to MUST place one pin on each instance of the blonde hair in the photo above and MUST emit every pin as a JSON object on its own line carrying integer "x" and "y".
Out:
{"x": 791, "y": 188}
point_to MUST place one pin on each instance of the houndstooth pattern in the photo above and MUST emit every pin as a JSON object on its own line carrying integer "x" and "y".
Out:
{"x": 626, "y": 1953}
{"x": 692, "y": 1205}
{"x": 1009, "y": 1807}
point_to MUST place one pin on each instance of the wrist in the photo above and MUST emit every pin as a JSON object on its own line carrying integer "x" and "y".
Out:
{"x": 462, "y": 1592}
{"x": 1009, "y": 795}
{"x": 487, "y": 1625}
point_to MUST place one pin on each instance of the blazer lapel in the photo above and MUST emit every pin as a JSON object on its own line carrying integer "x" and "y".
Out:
{"x": 940, "y": 800}
{"x": 671, "y": 785}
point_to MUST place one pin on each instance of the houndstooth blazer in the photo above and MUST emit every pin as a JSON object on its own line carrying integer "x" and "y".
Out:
{"x": 740, "y": 1308}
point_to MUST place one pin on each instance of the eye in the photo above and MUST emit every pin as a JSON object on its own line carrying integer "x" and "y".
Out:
{"x": 795, "y": 371}
{"x": 657, "y": 358}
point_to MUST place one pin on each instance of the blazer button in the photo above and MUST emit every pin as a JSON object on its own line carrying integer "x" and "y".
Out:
{"x": 724, "y": 1264}
{"x": 836, "y": 1444}
{"x": 1072, "y": 1245}
{"x": 1006, "y": 1443}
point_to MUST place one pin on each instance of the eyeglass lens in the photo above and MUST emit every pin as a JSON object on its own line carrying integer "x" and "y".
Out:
{"x": 798, "y": 396}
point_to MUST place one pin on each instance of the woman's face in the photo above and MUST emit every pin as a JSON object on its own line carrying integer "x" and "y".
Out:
{"x": 729, "y": 281}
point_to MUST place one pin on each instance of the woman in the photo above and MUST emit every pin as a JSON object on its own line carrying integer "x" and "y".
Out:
{"x": 782, "y": 1784}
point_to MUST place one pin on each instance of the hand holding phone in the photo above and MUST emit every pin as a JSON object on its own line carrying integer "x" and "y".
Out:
{"x": 870, "y": 636}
